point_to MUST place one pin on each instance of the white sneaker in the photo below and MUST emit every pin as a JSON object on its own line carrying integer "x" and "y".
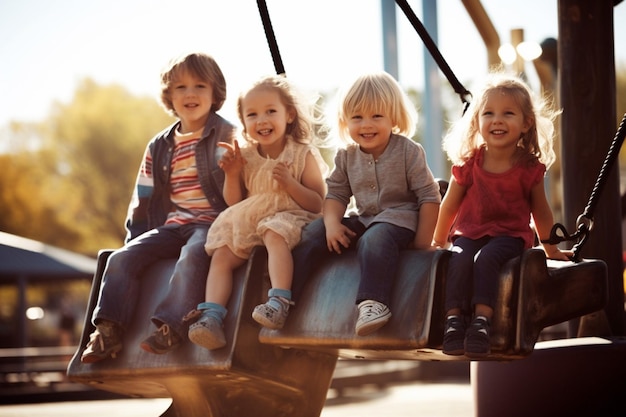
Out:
{"x": 372, "y": 316}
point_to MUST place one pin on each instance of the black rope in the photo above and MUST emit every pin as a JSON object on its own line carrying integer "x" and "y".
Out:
{"x": 271, "y": 38}
{"x": 584, "y": 223}
{"x": 463, "y": 93}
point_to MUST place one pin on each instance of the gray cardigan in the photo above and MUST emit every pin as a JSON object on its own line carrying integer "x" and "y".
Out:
{"x": 389, "y": 190}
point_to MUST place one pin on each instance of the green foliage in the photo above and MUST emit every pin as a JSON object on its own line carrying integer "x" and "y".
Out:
{"x": 24, "y": 207}
{"x": 620, "y": 87}
{"x": 73, "y": 190}
{"x": 620, "y": 104}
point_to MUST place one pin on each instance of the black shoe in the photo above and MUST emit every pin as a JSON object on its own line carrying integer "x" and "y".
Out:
{"x": 163, "y": 340}
{"x": 454, "y": 336}
{"x": 477, "y": 344}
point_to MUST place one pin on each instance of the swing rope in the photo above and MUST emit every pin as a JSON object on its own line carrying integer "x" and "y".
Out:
{"x": 558, "y": 233}
{"x": 271, "y": 38}
{"x": 463, "y": 93}
{"x": 584, "y": 223}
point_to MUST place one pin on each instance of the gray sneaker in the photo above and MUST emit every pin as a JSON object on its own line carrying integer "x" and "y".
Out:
{"x": 208, "y": 333}
{"x": 272, "y": 314}
{"x": 104, "y": 342}
{"x": 372, "y": 316}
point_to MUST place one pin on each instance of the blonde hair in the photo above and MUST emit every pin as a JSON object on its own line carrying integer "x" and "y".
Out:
{"x": 464, "y": 139}
{"x": 199, "y": 65}
{"x": 377, "y": 93}
{"x": 302, "y": 128}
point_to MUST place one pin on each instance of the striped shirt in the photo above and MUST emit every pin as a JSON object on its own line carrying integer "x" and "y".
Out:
{"x": 190, "y": 202}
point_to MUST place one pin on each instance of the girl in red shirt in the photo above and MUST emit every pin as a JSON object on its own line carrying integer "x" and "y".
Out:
{"x": 500, "y": 150}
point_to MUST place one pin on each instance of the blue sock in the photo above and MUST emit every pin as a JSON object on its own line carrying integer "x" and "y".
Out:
{"x": 278, "y": 292}
{"x": 214, "y": 310}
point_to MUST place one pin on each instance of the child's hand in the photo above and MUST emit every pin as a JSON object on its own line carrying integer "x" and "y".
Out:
{"x": 282, "y": 175}
{"x": 553, "y": 252}
{"x": 439, "y": 245}
{"x": 338, "y": 236}
{"x": 430, "y": 248}
{"x": 231, "y": 162}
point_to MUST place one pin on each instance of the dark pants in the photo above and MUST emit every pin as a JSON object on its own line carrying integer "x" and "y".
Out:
{"x": 474, "y": 270}
{"x": 378, "y": 250}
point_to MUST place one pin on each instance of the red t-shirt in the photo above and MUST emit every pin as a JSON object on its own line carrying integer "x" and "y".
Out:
{"x": 496, "y": 204}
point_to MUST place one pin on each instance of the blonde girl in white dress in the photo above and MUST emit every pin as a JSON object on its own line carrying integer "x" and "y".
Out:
{"x": 274, "y": 186}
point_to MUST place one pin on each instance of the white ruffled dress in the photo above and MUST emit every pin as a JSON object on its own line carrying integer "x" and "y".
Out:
{"x": 268, "y": 206}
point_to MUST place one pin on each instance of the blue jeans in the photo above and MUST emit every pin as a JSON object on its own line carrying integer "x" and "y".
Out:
{"x": 119, "y": 291}
{"x": 378, "y": 251}
{"x": 474, "y": 270}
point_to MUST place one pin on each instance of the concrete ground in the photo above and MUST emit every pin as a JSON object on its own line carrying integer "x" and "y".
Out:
{"x": 407, "y": 399}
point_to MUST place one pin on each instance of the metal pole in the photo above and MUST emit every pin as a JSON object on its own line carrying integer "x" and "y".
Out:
{"x": 390, "y": 42}
{"x": 432, "y": 122}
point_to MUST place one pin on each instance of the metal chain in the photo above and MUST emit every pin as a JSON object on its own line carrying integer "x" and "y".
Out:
{"x": 584, "y": 223}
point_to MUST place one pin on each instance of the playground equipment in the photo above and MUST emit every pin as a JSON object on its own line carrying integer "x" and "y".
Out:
{"x": 287, "y": 372}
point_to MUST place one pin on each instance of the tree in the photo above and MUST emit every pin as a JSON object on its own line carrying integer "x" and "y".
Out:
{"x": 24, "y": 208}
{"x": 620, "y": 87}
{"x": 81, "y": 174}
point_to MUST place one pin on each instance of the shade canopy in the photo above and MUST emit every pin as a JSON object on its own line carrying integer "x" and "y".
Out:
{"x": 21, "y": 257}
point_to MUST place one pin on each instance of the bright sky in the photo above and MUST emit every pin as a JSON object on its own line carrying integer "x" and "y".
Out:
{"x": 47, "y": 47}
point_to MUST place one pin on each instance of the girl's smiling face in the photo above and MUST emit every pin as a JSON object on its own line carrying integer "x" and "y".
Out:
{"x": 265, "y": 118}
{"x": 371, "y": 130}
{"x": 501, "y": 122}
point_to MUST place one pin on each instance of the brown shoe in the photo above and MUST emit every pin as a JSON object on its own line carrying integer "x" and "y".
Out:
{"x": 161, "y": 341}
{"x": 104, "y": 342}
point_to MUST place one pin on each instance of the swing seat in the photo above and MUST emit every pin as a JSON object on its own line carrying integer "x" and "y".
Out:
{"x": 288, "y": 372}
{"x": 245, "y": 378}
{"x": 532, "y": 295}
